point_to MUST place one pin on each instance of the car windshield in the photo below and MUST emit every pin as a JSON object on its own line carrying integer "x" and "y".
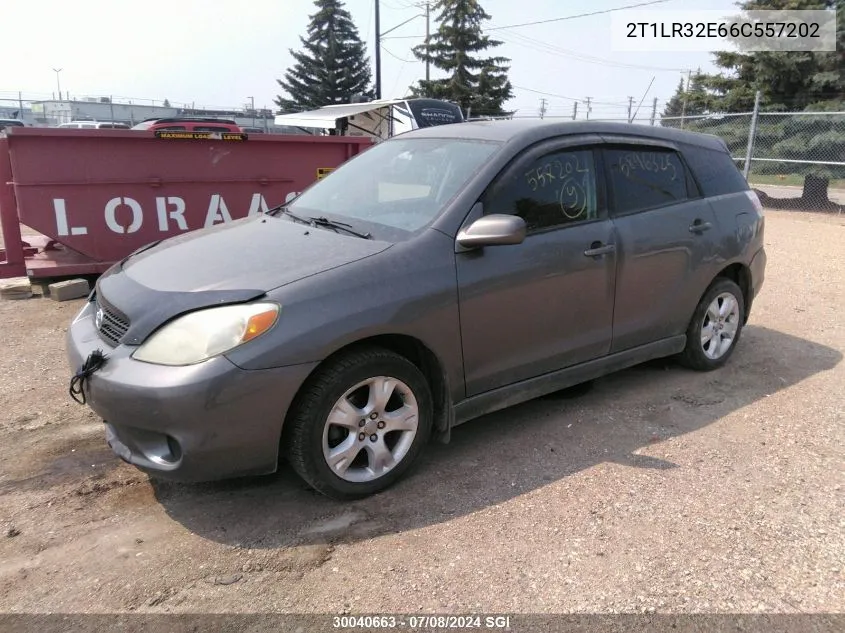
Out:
{"x": 396, "y": 187}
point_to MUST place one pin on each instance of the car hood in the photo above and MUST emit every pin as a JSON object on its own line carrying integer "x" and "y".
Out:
{"x": 259, "y": 252}
{"x": 231, "y": 263}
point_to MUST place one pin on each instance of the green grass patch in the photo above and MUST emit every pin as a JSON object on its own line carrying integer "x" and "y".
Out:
{"x": 793, "y": 180}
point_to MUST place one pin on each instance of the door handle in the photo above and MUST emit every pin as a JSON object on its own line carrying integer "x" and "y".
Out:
{"x": 699, "y": 227}
{"x": 597, "y": 250}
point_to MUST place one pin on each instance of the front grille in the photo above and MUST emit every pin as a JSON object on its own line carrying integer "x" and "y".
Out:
{"x": 111, "y": 323}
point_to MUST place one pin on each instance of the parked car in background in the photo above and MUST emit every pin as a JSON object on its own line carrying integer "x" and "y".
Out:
{"x": 189, "y": 124}
{"x": 438, "y": 276}
{"x": 4, "y": 123}
{"x": 94, "y": 125}
{"x": 78, "y": 125}
{"x": 112, "y": 125}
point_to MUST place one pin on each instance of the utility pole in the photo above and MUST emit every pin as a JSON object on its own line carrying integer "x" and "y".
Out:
{"x": 588, "y": 107}
{"x": 542, "y": 107}
{"x": 427, "y": 35}
{"x": 58, "y": 83}
{"x": 574, "y": 110}
{"x": 111, "y": 107}
{"x": 252, "y": 102}
{"x": 686, "y": 93}
{"x": 378, "y": 52}
{"x": 630, "y": 107}
{"x": 653, "y": 110}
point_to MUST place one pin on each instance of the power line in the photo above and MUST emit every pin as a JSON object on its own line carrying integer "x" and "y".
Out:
{"x": 552, "y": 94}
{"x": 535, "y": 44}
{"x": 403, "y": 37}
{"x": 400, "y": 7}
{"x": 395, "y": 56}
{"x": 369, "y": 20}
{"x": 580, "y": 15}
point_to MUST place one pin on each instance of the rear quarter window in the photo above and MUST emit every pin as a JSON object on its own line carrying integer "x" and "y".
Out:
{"x": 716, "y": 172}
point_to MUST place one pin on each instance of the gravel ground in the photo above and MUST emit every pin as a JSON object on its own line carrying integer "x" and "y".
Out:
{"x": 657, "y": 490}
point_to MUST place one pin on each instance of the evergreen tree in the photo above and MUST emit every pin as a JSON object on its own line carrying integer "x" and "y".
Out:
{"x": 332, "y": 66}
{"x": 476, "y": 83}
{"x": 675, "y": 105}
{"x": 692, "y": 101}
{"x": 788, "y": 82}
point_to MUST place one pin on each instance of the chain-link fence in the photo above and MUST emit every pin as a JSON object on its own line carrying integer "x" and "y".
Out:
{"x": 794, "y": 159}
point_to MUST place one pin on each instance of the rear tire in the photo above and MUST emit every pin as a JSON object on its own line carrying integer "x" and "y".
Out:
{"x": 359, "y": 423}
{"x": 715, "y": 327}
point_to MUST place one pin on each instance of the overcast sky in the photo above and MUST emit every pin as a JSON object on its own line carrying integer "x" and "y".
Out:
{"x": 221, "y": 53}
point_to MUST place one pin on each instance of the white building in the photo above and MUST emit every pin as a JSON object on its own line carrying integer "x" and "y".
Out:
{"x": 55, "y": 112}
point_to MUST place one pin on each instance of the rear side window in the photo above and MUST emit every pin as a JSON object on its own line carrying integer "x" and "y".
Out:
{"x": 644, "y": 178}
{"x": 716, "y": 172}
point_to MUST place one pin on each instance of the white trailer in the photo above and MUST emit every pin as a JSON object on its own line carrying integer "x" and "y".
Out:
{"x": 377, "y": 119}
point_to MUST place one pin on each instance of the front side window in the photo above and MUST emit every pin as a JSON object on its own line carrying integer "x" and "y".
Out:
{"x": 644, "y": 178}
{"x": 400, "y": 185}
{"x": 555, "y": 190}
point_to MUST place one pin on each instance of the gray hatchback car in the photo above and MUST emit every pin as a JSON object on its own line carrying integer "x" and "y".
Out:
{"x": 441, "y": 275}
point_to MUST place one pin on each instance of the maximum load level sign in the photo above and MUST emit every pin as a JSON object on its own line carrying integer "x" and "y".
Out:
{"x": 216, "y": 136}
{"x": 322, "y": 172}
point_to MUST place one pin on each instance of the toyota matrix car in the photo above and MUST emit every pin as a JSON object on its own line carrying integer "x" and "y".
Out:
{"x": 438, "y": 276}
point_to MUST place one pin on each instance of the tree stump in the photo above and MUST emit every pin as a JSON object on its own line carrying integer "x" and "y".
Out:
{"x": 815, "y": 195}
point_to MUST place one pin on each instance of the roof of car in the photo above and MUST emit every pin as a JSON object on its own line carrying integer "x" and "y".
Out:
{"x": 533, "y": 130}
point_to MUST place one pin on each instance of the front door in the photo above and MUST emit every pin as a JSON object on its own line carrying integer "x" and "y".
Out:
{"x": 547, "y": 303}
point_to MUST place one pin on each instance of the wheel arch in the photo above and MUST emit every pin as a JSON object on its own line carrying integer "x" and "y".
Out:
{"x": 740, "y": 274}
{"x": 420, "y": 355}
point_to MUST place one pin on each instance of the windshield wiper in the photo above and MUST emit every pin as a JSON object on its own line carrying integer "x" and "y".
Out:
{"x": 273, "y": 211}
{"x": 333, "y": 224}
{"x": 318, "y": 221}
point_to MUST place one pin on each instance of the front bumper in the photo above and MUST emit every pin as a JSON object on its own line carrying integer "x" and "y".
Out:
{"x": 212, "y": 420}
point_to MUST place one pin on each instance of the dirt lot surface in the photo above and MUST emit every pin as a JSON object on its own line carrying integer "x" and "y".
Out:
{"x": 658, "y": 490}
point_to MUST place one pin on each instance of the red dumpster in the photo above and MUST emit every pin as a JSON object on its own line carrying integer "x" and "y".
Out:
{"x": 98, "y": 195}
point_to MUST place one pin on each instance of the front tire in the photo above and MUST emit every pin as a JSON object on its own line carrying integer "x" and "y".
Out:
{"x": 359, "y": 423}
{"x": 715, "y": 327}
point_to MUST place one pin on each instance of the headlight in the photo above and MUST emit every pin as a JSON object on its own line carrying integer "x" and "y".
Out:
{"x": 199, "y": 335}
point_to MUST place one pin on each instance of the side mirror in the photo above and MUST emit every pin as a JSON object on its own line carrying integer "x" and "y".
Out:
{"x": 493, "y": 230}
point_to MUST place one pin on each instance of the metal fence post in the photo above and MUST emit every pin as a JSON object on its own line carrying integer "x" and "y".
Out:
{"x": 751, "y": 134}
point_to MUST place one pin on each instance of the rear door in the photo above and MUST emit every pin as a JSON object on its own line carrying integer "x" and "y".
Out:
{"x": 666, "y": 246}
